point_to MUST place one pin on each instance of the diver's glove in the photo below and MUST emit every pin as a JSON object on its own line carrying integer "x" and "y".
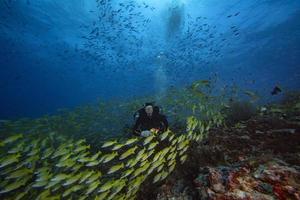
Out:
{"x": 146, "y": 133}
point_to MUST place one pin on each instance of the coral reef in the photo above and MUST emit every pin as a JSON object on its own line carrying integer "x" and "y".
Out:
{"x": 239, "y": 111}
{"x": 255, "y": 159}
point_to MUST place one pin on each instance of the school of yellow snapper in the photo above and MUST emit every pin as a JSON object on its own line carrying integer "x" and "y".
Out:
{"x": 54, "y": 166}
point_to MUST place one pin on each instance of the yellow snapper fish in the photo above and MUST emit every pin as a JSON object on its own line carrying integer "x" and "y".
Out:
{"x": 33, "y": 152}
{"x": 84, "y": 159}
{"x": 102, "y": 196}
{"x": 65, "y": 157}
{"x": 146, "y": 156}
{"x": 135, "y": 183}
{"x": 128, "y": 153}
{"x": 183, "y": 158}
{"x": 171, "y": 156}
{"x": 127, "y": 172}
{"x": 119, "y": 186}
{"x": 131, "y": 141}
{"x": 44, "y": 143}
{"x": 60, "y": 177}
{"x": 109, "y": 143}
{"x": 181, "y": 138}
{"x": 171, "y": 137}
{"x": 38, "y": 184}
{"x": 20, "y": 173}
{"x": 67, "y": 163}
{"x": 157, "y": 177}
{"x": 82, "y": 155}
{"x": 116, "y": 168}
{"x": 159, "y": 168}
{"x": 150, "y": 170}
{"x": 85, "y": 175}
{"x": 44, "y": 195}
{"x": 60, "y": 152}
{"x": 140, "y": 154}
{"x": 172, "y": 167}
{"x": 132, "y": 162}
{"x": 107, "y": 186}
{"x": 72, "y": 179}
{"x": 183, "y": 144}
{"x": 108, "y": 157}
{"x": 76, "y": 167}
{"x": 54, "y": 189}
{"x": 191, "y": 123}
{"x": 54, "y": 197}
{"x": 152, "y": 145}
{"x": 15, "y": 184}
{"x": 165, "y": 151}
{"x": 118, "y": 146}
{"x": 43, "y": 174}
{"x": 80, "y": 142}
{"x": 157, "y": 156}
{"x": 94, "y": 177}
{"x": 22, "y": 194}
{"x": 183, "y": 150}
{"x": 44, "y": 177}
{"x": 149, "y": 139}
{"x": 74, "y": 188}
{"x": 82, "y": 148}
{"x": 47, "y": 153}
{"x": 164, "y": 175}
{"x": 164, "y": 135}
{"x": 174, "y": 142}
{"x": 140, "y": 170}
{"x": 93, "y": 163}
{"x": 18, "y": 148}
{"x": 92, "y": 187}
{"x": 9, "y": 160}
{"x": 12, "y": 139}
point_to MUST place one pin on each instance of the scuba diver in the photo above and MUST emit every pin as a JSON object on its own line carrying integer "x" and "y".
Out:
{"x": 148, "y": 120}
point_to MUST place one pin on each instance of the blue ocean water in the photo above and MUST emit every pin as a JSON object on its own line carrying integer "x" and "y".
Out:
{"x": 135, "y": 99}
{"x": 61, "y": 54}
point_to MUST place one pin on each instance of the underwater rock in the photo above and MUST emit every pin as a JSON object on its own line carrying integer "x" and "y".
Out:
{"x": 239, "y": 111}
{"x": 215, "y": 180}
{"x": 267, "y": 181}
{"x": 255, "y": 159}
{"x": 176, "y": 191}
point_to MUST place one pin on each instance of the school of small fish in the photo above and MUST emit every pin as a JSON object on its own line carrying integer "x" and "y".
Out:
{"x": 116, "y": 37}
{"x": 53, "y": 166}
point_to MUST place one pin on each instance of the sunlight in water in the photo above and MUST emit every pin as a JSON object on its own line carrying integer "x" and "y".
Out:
{"x": 160, "y": 76}
{"x": 162, "y": 4}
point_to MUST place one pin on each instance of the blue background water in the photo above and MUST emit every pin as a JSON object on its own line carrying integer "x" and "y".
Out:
{"x": 51, "y": 56}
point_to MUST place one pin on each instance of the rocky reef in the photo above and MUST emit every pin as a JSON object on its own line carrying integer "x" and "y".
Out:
{"x": 254, "y": 159}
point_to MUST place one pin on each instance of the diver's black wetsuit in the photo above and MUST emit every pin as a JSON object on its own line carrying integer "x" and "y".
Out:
{"x": 144, "y": 122}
